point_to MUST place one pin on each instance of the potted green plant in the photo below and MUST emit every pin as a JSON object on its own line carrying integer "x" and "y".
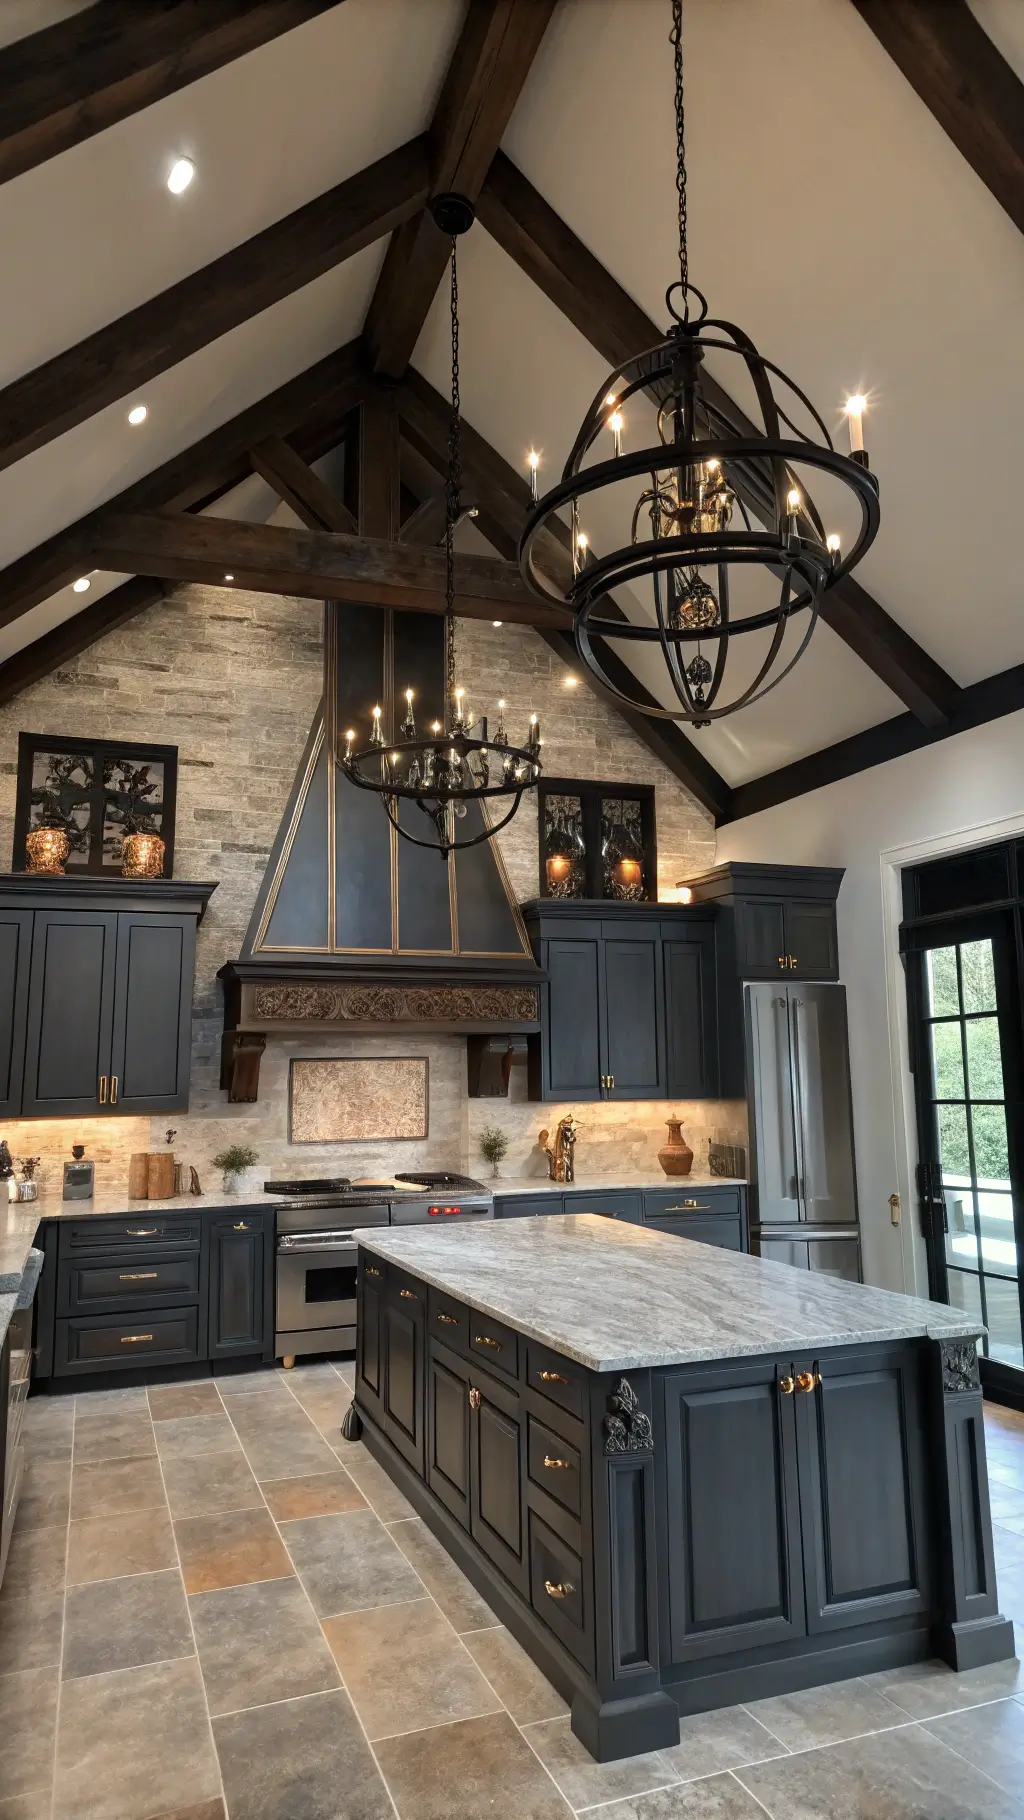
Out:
{"x": 493, "y": 1145}
{"x": 231, "y": 1162}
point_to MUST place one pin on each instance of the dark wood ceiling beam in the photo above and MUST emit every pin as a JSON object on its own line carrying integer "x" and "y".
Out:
{"x": 294, "y": 481}
{"x": 959, "y": 74}
{"x": 68, "y": 640}
{"x": 496, "y": 47}
{"x": 273, "y": 559}
{"x": 503, "y": 498}
{"x": 545, "y": 247}
{"x": 124, "y": 355}
{"x": 310, "y": 409}
{"x": 62, "y": 85}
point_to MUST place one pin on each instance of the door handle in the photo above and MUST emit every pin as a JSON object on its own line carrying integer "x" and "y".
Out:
{"x": 449, "y": 1320}
{"x": 787, "y": 1386}
{"x": 132, "y": 1339}
{"x": 113, "y": 1090}
{"x": 103, "y": 1089}
{"x": 550, "y": 1460}
{"x": 408, "y": 1295}
{"x": 807, "y": 1380}
{"x": 240, "y": 1226}
{"x": 141, "y": 1232}
{"x": 484, "y": 1339}
{"x": 371, "y": 1270}
{"x": 553, "y": 1377}
{"x": 558, "y": 1590}
{"x": 137, "y": 1276}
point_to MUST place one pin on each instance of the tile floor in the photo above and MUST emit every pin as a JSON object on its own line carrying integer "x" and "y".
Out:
{"x": 215, "y": 1606}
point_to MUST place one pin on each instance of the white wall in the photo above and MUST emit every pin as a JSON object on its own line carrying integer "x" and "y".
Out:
{"x": 959, "y": 793}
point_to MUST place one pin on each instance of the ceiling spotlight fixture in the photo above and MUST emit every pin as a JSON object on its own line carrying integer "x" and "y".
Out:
{"x": 138, "y": 413}
{"x": 180, "y": 175}
{"x": 457, "y": 763}
{"x": 82, "y": 585}
{"x": 496, "y": 623}
{"x": 726, "y": 549}
{"x": 229, "y": 578}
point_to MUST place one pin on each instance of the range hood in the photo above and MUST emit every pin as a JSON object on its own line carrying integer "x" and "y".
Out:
{"x": 355, "y": 928}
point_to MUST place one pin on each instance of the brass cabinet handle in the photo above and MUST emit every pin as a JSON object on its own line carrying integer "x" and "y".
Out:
{"x": 371, "y": 1270}
{"x": 408, "y": 1295}
{"x": 560, "y": 1590}
{"x": 241, "y": 1226}
{"x": 787, "y": 1386}
{"x": 806, "y": 1380}
{"x": 137, "y": 1276}
{"x": 484, "y": 1339}
{"x": 448, "y": 1319}
{"x": 550, "y": 1460}
{"x": 552, "y": 1377}
{"x": 113, "y": 1090}
{"x": 129, "y": 1339}
{"x": 611, "y": 1083}
{"x": 474, "y": 1399}
{"x": 103, "y": 1089}
{"x": 141, "y": 1232}
{"x": 691, "y": 1207}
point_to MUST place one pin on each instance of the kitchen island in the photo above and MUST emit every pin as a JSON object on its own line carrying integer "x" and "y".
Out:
{"x": 683, "y": 1477}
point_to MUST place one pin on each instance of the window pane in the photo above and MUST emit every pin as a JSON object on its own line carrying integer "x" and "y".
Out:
{"x": 978, "y": 975}
{"x": 947, "y": 1062}
{"x": 1003, "y": 1306}
{"x": 962, "y": 1249}
{"x": 984, "y": 1062}
{"x": 953, "y": 1150}
{"x": 564, "y": 847}
{"x": 943, "y": 998}
{"x": 988, "y": 1125}
{"x": 995, "y": 1230}
{"x": 965, "y": 1293}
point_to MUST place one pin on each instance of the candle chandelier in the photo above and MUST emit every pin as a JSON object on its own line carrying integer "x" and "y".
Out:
{"x": 455, "y": 762}
{"x": 725, "y": 546}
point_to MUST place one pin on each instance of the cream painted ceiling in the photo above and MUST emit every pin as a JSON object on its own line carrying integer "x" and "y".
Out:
{"x": 830, "y": 215}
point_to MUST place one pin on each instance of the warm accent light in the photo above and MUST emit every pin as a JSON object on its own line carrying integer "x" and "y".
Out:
{"x": 627, "y": 874}
{"x": 497, "y": 624}
{"x": 533, "y": 463}
{"x": 557, "y": 867}
{"x": 793, "y": 500}
{"x": 570, "y": 682}
{"x": 138, "y": 413}
{"x": 832, "y": 543}
{"x": 82, "y": 585}
{"x": 855, "y": 408}
{"x": 229, "y": 578}
{"x": 180, "y": 175}
{"x": 684, "y": 895}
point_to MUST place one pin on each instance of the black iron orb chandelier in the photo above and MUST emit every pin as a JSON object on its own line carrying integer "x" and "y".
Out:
{"x": 456, "y": 761}
{"x": 723, "y": 547}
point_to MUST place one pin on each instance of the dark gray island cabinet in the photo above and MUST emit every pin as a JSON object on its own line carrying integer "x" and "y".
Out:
{"x": 683, "y": 1477}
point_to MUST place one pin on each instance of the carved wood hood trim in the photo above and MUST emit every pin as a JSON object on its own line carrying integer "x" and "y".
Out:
{"x": 292, "y": 1003}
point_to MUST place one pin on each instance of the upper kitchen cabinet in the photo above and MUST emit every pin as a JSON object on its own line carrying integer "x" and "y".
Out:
{"x": 96, "y": 994}
{"x": 628, "y": 1009}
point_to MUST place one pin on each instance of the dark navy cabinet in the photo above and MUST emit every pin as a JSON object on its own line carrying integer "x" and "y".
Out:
{"x": 241, "y": 1284}
{"x": 15, "y": 944}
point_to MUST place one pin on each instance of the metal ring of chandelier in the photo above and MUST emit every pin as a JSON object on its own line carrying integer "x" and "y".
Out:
{"x": 440, "y": 801}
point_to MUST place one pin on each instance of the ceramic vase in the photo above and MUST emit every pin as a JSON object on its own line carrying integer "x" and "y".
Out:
{"x": 675, "y": 1157}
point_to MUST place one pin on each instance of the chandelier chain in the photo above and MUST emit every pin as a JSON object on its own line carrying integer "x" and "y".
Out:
{"x": 676, "y": 40}
{"x": 453, "y": 495}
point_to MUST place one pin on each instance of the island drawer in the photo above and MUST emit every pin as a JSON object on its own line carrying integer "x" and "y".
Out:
{"x": 684, "y": 1200}
{"x": 727, "y": 1233}
{"x": 557, "y": 1591}
{"x": 555, "y": 1378}
{"x": 449, "y": 1320}
{"x": 89, "y": 1288}
{"x": 131, "y": 1233}
{"x": 554, "y": 1465}
{"x": 490, "y": 1340}
{"x": 97, "y": 1342}
{"x": 526, "y": 1207}
{"x": 409, "y": 1291}
{"x": 612, "y": 1206}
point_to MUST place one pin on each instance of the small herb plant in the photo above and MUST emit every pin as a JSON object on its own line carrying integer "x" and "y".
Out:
{"x": 493, "y": 1145}
{"x": 236, "y": 1158}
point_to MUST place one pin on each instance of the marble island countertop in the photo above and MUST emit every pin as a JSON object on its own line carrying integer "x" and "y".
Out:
{"x": 619, "y": 1297}
{"x": 622, "y": 1180}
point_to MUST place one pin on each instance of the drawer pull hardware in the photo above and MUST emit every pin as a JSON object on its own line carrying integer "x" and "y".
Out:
{"x": 103, "y": 1089}
{"x": 240, "y": 1226}
{"x": 806, "y": 1380}
{"x": 484, "y": 1339}
{"x": 113, "y": 1090}
{"x": 787, "y": 1386}
{"x": 474, "y": 1399}
{"x": 130, "y": 1339}
{"x": 371, "y": 1270}
{"x": 448, "y": 1319}
{"x": 138, "y": 1276}
{"x": 559, "y": 1589}
{"x": 408, "y": 1295}
{"x": 691, "y": 1207}
{"x": 550, "y": 1460}
{"x": 141, "y": 1232}
{"x": 552, "y": 1377}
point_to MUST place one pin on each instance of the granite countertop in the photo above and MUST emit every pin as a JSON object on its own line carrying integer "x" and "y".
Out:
{"x": 618, "y": 1297}
{"x": 607, "y": 1184}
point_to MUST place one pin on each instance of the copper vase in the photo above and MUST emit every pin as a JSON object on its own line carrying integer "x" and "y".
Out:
{"x": 142, "y": 856}
{"x": 675, "y": 1157}
{"x": 47, "y": 849}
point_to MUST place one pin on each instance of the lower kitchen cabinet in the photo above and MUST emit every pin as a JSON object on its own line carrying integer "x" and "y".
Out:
{"x": 403, "y": 1319}
{"x": 241, "y": 1284}
{"x": 496, "y": 1514}
{"x": 623, "y": 1206}
{"x": 15, "y": 945}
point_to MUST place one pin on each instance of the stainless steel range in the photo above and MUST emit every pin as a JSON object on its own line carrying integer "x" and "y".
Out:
{"x": 317, "y": 1250}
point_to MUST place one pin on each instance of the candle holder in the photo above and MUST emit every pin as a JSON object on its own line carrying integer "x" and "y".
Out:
{"x": 142, "y": 856}
{"x": 47, "y": 849}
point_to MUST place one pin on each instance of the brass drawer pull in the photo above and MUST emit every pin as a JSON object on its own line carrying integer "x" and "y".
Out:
{"x": 484, "y": 1339}
{"x": 113, "y": 1090}
{"x": 691, "y": 1207}
{"x": 103, "y": 1089}
{"x": 559, "y": 1590}
{"x": 552, "y": 1377}
{"x": 130, "y": 1339}
{"x": 142, "y": 1232}
{"x": 138, "y": 1276}
{"x": 240, "y": 1226}
{"x": 787, "y": 1386}
{"x": 806, "y": 1380}
{"x": 550, "y": 1460}
{"x": 371, "y": 1270}
{"x": 408, "y": 1295}
{"x": 448, "y": 1319}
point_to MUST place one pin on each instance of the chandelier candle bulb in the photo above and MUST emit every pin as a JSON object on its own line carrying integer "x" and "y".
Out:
{"x": 533, "y": 463}
{"x": 615, "y": 424}
{"x": 855, "y": 408}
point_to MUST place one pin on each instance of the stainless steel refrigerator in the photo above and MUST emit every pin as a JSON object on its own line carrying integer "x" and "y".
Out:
{"x": 804, "y": 1191}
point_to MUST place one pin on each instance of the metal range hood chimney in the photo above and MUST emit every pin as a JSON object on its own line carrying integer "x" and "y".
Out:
{"x": 355, "y": 928}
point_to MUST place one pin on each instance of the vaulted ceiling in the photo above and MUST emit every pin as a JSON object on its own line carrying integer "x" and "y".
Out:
{"x": 856, "y": 202}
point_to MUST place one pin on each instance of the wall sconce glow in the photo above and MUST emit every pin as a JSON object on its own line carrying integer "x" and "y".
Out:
{"x": 138, "y": 413}
{"x": 180, "y": 175}
{"x": 82, "y": 585}
{"x": 855, "y": 408}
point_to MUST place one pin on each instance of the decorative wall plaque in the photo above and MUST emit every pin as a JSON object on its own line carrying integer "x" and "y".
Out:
{"x": 626, "y": 1428}
{"x": 342, "y": 1100}
{"x": 959, "y": 1366}
{"x": 295, "y": 1004}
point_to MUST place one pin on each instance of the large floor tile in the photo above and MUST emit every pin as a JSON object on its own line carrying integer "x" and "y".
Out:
{"x": 124, "y": 1435}
{"x": 301, "y": 1760}
{"x": 281, "y": 1444}
{"x": 45, "y": 1494}
{"x": 135, "y": 1744}
{"x": 992, "y": 1738}
{"x": 713, "y": 1798}
{"x": 35, "y": 1563}
{"x": 114, "y": 1488}
{"x": 230, "y": 1550}
{"x": 458, "y": 1599}
{"x": 926, "y": 1690}
{"x": 168, "y": 1402}
{"x": 897, "y": 1775}
{"x": 259, "y": 1643}
{"x": 313, "y": 1494}
{"x": 49, "y": 1428}
{"x": 826, "y": 1715}
{"x": 473, "y": 1768}
{"x": 349, "y": 1563}
{"x": 114, "y": 1624}
{"x": 107, "y": 1548}
{"x": 186, "y": 1436}
{"x": 199, "y": 1485}
{"x": 30, "y": 1630}
{"x": 264, "y": 1382}
{"x": 712, "y": 1742}
{"x": 380, "y": 1491}
{"x": 121, "y": 1396}
{"x": 34, "y": 1806}
{"x": 404, "y": 1668}
{"x": 517, "y": 1681}
{"x": 28, "y": 1730}
{"x": 583, "y": 1782}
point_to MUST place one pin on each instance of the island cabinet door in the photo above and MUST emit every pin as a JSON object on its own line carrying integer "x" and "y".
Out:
{"x": 863, "y": 1487}
{"x": 496, "y": 1518}
{"x": 404, "y": 1399}
{"x": 369, "y": 1337}
{"x": 448, "y": 1424}
{"x": 732, "y": 1510}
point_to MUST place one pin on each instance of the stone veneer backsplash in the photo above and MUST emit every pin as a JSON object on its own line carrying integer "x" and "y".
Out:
{"x": 233, "y": 680}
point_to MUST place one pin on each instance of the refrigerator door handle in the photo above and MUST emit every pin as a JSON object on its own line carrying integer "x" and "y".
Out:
{"x": 796, "y": 1063}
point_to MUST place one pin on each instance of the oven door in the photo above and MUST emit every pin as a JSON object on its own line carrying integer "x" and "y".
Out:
{"x": 316, "y": 1281}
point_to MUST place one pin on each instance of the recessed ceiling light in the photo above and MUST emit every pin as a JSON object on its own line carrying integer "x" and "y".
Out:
{"x": 571, "y": 681}
{"x": 82, "y": 585}
{"x": 497, "y": 622}
{"x": 229, "y": 578}
{"x": 180, "y": 175}
{"x": 138, "y": 413}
